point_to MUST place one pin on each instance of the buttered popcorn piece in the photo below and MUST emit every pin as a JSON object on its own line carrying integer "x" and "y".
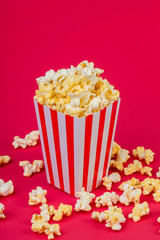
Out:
{"x": 136, "y": 166}
{"x": 77, "y": 91}
{"x": 158, "y": 173}
{"x": 63, "y": 209}
{"x": 100, "y": 216}
{"x": 143, "y": 153}
{"x": 1, "y": 211}
{"x": 130, "y": 195}
{"x": 147, "y": 171}
{"x": 112, "y": 178}
{"x": 116, "y": 164}
{"x": 149, "y": 185}
{"x": 45, "y": 214}
{"x": 29, "y": 168}
{"x": 41, "y": 226}
{"x": 6, "y": 188}
{"x": 133, "y": 182}
{"x": 107, "y": 199}
{"x": 37, "y": 196}
{"x": 29, "y": 140}
{"x": 138, "y": 211}
{"x": 115, "y": 218}
{"x": 123, "y": 155}
{"x": 115, "y": 149}
{"x": 4, "y": 159}
{"x": 83, "y": 204}
{"x": 156, "y": 196}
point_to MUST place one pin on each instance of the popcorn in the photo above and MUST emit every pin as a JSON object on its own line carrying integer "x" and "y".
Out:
{"x": 149, "y": 185}
{"x": 63, "y": 209}
{"x": 136, "y": 166}
{"x": 84, "y": 201}
{"x": 121, "y": 155}
{"x": 130, "y": 195}
{"x": 135, "y": 183}
{"x": 113, "y": 217}
{"x": 158, "y": 173}
{"x": 37, "y": 196}
{"x": 29, "y": 140}
{"x": 107, "y": 199}
{"x": 41, "y": 226}
{"x": 138, "y": 211}
{"x": 100, "y": 216}
{"x": 6, "y": 188}
{"x": 156, "y": 196}
{"x": 31, "y": 168}
{"x": 112, "y": 178}
{"x": 77, "y": 91}
{"x": 4, "y": 159}
{"x": 143, "y": 153}
{"x": 1, "y": 211}
{"x": 147, "y": 171}
{"x": 115, "y": 150}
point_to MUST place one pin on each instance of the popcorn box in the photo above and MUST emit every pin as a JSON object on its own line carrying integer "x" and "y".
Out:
{"x": 76, "y": 151}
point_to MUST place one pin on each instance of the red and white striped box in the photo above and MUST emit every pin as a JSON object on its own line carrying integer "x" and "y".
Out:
{"x": 76, "y": 151}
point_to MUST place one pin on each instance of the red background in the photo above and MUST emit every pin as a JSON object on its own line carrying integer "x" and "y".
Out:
{"x": 121, "y": 37}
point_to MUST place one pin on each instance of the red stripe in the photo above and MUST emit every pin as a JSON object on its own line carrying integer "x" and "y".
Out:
{"x": 70, "y": 148}
{"x": 87, "y": 144}
{"x": 57, "y": 147}
{"x": 45, "y": 139}
{"x": 99, "y": 145}
{"x": 112, "y": 121}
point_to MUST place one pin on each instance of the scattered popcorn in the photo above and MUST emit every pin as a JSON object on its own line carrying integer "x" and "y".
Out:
{"x": 1, "y": 211}
{"x": 143, "y": 153}
{"x": 115, "y": 150}
{"x": 6, "y": 188}
{"x": 63, "y": 209}
{"x": 115, "y": 218}
{"x": 116, "y": 164}
{"x": 138, "y": 211}
{"x": 84, "y": 201}
{"x": 37, "y": 196}
{"x": 149, "y": 185}
{"x": 123, "y": 155}
{"x": 4, "y": 159}
{"x": 156, "y": 196}
{"x": 41, "y": 226}
{"x": 115, "y": 177}
{"x": 130, "y": 195}
{"x": 158, "y": 173}
{"x": 29, "y": 168}
{"x": 29, "y": 140}
{"x": 147, "y": 171}
{"x": 107, "y": 199}
{"x": 135, "y": 183}
{"x": 107, "y": 182}
{"x": 77, "y": 91}
{"x": 45, "y": 214}
{"x": 100, "y": 216}
{"x": 136, "y": 166}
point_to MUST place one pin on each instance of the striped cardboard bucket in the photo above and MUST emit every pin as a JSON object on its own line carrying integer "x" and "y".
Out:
{"x": 76, "y": 151}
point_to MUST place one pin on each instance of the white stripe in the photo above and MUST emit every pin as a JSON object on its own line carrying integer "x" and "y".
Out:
{"x": 49, "y": 128}
{"x": 42, "y": 141}
{"x": 79, "y": 135}
{"x": 63, "y": 147}
{"x": 114, "y": 128}
{"x": 93, "y": 148}
{"x": 104, "y": 144}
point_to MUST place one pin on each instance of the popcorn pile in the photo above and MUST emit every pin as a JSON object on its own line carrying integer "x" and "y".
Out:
{"x": 29, "y": 168}
{"x": 4, "y": 159}
{"x": 76, "y": 91}
{"x": 29, "y": 140}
